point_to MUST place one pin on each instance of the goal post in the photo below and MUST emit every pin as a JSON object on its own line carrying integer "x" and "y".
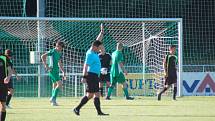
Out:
{"x": 146, "y": 42}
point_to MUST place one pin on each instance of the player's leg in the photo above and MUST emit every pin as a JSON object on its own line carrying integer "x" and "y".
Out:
{"x": 56, "y": 85}
{"x": 3, "y": 111}
{"x": 83, "y": 101}
{"x": 101, "y": 88}
{"x": 125, "y": 90}
{"x": 108, "y": 84}
{"x": 101, "y": 82}
{"x": 10, "y": 93}
{"x": 90, "y": 89}
{"x": 52, "y": 99}
{"x": 3, "y": 94}
{"x": 97, "y": 104}
{"x": 174, "y": 91}
{"x": 166, "y": 87}
{"x": 110, "y": 89}
{"x": 121, "y": 79}
{"x": 56, "y": 91}
{"x": 9, "y": 96}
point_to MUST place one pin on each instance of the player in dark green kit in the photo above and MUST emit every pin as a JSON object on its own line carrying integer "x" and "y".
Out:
{"x": 55, "y": 56}
{"x": 9, "y": 54}
{"x": 5, "y": 75}
{"x": 170, "y": 63}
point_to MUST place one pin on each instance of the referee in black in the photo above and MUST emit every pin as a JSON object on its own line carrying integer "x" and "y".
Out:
{"x": 170, "y": 63}
{"x": 5, "y": 75}
{"x": 91, "y": 71}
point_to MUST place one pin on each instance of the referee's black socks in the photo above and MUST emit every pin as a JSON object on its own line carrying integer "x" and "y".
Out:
{"x": 82, "y": 103}
{"x": 97, "y": 104}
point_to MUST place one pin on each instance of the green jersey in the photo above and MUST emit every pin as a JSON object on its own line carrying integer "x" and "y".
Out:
{"x": 56, "y": 57}
{"x": 117, "y": 58}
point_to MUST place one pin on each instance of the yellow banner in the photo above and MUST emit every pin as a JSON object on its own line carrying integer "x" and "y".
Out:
{"x": 142, "y": 84}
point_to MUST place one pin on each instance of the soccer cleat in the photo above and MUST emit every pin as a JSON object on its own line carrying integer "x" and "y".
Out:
{"x": 129, "y": 98}
{"x": 159, "y": 97}
{"x": 107, "y": 98}
{"x": 51, "y": 100}
{"x": 54, "y": 104}
{"x": 77, "y": 112}
{"x": 103, "y": 114}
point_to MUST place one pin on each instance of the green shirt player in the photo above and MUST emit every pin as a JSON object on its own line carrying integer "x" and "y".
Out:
{"x": 116, "y": 73}
{"x": 55, "y": 56}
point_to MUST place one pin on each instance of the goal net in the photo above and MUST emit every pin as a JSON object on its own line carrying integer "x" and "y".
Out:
{"x": 146, "y": 43}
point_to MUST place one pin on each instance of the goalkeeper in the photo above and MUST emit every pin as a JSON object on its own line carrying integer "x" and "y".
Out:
{"x": 117, "y": 74}
{"x": 170, "y": 62}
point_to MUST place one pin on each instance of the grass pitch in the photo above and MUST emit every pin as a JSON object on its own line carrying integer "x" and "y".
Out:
{"x": 140, "y": 109}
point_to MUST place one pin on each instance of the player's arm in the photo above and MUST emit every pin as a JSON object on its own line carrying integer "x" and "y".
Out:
{"x": 61, "y": 68}
{"x": 101, "y": 34}
{"x": 43, "y": 58}
{"x": 123, "y": 69}
{"x": 83, "y": 80}
{"x": 10, "y": 72}
{"x": 165, "y": 66}
{"x": 15, "y": 73}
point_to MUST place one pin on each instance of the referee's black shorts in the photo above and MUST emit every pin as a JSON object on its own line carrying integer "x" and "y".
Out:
{"x": 92, "y": 83}
{"x": 3, "y": 92}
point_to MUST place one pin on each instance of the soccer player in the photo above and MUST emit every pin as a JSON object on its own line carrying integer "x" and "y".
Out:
{"x": 170, "y": 63}
{"x": 55, "y": 55}
{"x": 117, "y": 75}
{"x": 105, "y": 59}
{"x": 9, "y": 54}
{"x": 91, "y": 71}
{"x": 5, "y": 75}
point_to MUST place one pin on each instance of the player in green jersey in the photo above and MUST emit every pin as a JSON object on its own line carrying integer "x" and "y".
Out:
{"x": 118, "y": 71}
{"x": 55, "y": 56}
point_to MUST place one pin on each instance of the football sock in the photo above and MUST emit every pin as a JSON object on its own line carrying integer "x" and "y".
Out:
{"x": 164, "y": 89}
{"x": 174, "y": 92}
{"x": 3, "y": 116}
{"x": 97, "y": 104}
{"x": 110, "y": 89}
{"x": 9, "y": 96}
{"x": 55, "y": 93}
{"x": 82, "y": 103}
{"x": 125, "y": 90}
{"x": 101, "y": 91}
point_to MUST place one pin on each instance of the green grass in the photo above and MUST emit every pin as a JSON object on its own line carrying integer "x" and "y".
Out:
{"x": 140, "y": 109}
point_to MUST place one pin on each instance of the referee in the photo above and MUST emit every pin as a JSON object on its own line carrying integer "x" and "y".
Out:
{"x": 5, "y": 75}
{"x": 91, "y": 71}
